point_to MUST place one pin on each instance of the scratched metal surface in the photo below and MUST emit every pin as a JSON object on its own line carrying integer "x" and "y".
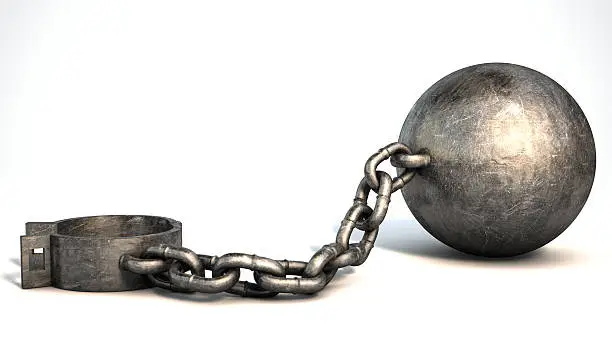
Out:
{"x": 513, "y": 159}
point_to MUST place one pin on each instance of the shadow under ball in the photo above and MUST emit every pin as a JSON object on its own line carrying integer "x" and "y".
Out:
{"x": 512, "y": 160}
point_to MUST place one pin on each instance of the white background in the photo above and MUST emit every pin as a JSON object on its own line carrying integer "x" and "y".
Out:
{"x": 250, "y": 123}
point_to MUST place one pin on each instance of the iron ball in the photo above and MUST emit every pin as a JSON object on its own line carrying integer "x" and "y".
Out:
{"x": 512, "y": 159}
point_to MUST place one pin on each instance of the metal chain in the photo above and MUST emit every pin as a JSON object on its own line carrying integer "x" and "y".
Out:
{"x": 167, "y": 266}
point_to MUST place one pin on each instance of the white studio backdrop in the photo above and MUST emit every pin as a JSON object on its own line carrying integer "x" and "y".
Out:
{"x": 250, "y": 122}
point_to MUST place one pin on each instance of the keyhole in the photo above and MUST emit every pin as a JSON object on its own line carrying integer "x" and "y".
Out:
{"x": 37, "y": 259}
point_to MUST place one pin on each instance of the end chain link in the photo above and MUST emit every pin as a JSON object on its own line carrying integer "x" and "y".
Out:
{"x": 167, "y": 266}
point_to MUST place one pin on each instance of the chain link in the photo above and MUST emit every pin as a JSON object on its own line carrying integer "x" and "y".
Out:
{"x": 168, "y": 266}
